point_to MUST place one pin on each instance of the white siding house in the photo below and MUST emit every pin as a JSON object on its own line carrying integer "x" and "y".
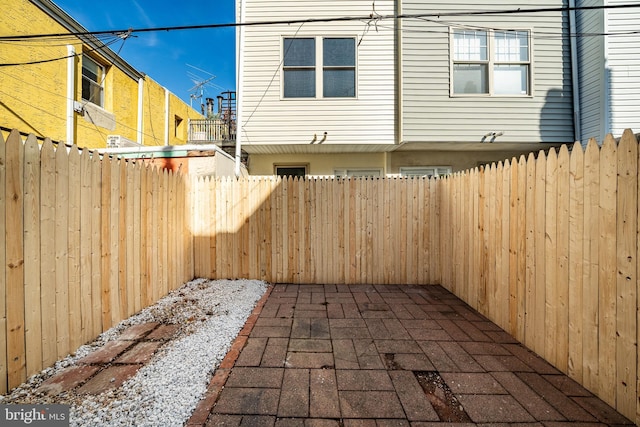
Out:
{"x": 609, "y": 69}
{"x": 423, "y": 93}
{"x": 526, "y": 96}
{"x": 314, "y": 87}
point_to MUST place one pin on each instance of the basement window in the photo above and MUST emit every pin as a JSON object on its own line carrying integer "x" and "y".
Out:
{"x": 291, "y": 171}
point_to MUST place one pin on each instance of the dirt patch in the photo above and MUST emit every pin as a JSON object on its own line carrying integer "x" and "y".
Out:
{"x": 446, "y": 405}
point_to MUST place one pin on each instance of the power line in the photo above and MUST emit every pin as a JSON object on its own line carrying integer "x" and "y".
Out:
{"x": 467, "y": 13}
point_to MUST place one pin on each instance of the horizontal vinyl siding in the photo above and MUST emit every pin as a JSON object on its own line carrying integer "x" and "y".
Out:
{"x": 269, "y": 119}
{"x": 624, "y": 68}
{"x": 591, "y": 56}
{"x": 430, "y": 114}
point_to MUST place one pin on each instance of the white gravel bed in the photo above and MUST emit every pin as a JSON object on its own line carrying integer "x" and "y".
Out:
{"x": 165, "y": 391}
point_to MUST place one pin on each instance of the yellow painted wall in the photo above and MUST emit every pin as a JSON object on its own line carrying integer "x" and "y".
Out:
{"x": 179, "y": 108}
{"x": 33, "y": 98}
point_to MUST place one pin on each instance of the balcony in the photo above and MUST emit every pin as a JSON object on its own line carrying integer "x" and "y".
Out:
{"x": 212, "y": 131}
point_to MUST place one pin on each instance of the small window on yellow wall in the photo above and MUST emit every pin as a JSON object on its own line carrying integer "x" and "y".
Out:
{"x": 179, "y": 127}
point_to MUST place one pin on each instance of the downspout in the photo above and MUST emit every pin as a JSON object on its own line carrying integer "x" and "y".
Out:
{"x": 140, "y": 112}
{"x": 575, "y": 76}
{"x": 166, "y": 116}
{"x": 239, "y": 79}
{"x": 71, "y": 94}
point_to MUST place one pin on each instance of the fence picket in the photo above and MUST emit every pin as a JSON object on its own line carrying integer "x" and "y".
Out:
{"x": 607, "y": 271}
{"x": 590, "y": 292}
{"x": 47, "y": 248}
{"x": 562, "y": 260}
{"x": 521, "y": 249}
{"x": 86, "y": 314}
{"x": 3, "y": 282}
{"x": 576, "y": 263}
{"x": 127, "y": 241}
{"x": 14, "y": 196}
{"x": 32, "y": 283}
{"x": 61, "y": 252}
{"x": 626, "y": 287}
{"x": 73, "y": 249}
{"x": 551, "y": 255}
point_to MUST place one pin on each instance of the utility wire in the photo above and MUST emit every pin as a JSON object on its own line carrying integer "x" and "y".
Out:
{"x": 325, "y": 20}
{"x": 60, "y": 58}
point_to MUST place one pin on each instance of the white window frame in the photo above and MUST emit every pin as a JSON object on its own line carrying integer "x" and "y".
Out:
{"x": 491, "y": 64}
{"x": 319, "y": 67}
{"x": 428, "y": 171}
{"x": 103, "y": 73}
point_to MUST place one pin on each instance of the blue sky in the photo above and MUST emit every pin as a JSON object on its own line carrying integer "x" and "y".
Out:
{"x": 174, "y": 58}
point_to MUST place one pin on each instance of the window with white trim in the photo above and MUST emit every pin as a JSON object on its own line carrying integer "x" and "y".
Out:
{"x": 427, "y": 171}
{"x": 319, "y": 65}
{"x": 92, "y": 81}
{"x": 493, "y": 62}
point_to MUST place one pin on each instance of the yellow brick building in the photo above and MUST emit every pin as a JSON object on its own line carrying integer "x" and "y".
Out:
{"x": 75, "y": 89}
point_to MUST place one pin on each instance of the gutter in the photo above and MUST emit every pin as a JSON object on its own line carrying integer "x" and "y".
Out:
{"x": 575, "y": 75}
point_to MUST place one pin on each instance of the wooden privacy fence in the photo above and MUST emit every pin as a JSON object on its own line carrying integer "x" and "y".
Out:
{"x": 317, "y": 230}
{"x": 547, "y": 248}
{"x": 87, "y": 242}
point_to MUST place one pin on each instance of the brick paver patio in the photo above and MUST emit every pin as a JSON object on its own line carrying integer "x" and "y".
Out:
{"x": 382, "y": 356}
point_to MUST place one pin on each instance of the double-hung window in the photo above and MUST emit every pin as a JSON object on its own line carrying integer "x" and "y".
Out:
{"x": 92, "y": 80}
{"x": 319, "y": 67}
{"x": 494, "y": 62}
